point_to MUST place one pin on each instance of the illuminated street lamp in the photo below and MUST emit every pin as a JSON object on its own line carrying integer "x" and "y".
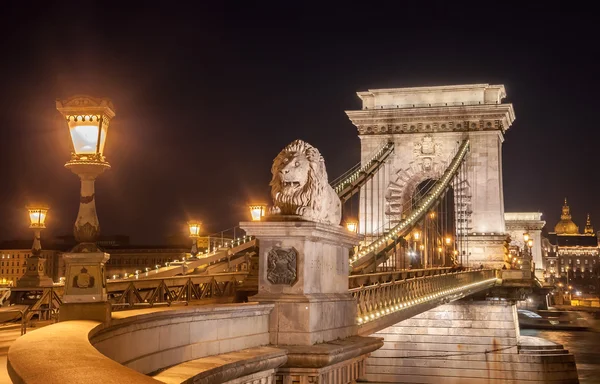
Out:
{"x": 88, "y": 119}
{"x": 85, "y": 297}
{"x": 194, "y": 227}
{"x": 257, "y": 211}
{"x": 352, "y": 225}
{"x": 448, "y": 240}
{"x": 35, "y": 275}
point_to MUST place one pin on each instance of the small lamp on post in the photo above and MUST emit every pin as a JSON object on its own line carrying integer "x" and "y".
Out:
{"x": 35, "y": 275}
{"x": 87, "y": 119}
{"x": 257, "y": 211}
{"x": 194, "y": 227}
{"x": 352, "y": 225}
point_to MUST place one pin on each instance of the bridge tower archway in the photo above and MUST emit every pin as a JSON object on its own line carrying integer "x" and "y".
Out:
{"x": 427, "y": 125}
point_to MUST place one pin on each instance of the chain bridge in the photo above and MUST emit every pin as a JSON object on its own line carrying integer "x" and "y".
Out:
{"x": 419, "y": 292}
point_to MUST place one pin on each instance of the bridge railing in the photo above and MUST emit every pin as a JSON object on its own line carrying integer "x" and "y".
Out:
{"x": 393, "y": 292}
{"x": 174, "y": 290}
{"x": 350, "y": 182}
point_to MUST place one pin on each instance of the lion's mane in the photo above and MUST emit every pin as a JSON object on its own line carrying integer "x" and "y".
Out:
{"x": 316, "y": 194}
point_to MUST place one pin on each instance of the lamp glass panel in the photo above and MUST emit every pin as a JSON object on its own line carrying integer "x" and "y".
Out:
{"x": 351, "y": 226}
{"x": 84, "y": 135}
{"x": 194, "y": 229}
{"x": 37, "y": 216}
{"x": 256, "y": 212}
{"x": 103, "y": 134}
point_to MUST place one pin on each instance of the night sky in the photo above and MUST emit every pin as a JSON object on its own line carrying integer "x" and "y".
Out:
{"x": 206, "y": 96}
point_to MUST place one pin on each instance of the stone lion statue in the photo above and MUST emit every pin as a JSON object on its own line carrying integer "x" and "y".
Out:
{"x": 300, "y": 187}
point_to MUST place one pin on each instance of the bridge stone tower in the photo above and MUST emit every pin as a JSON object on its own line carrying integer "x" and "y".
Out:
{"x": 427, "y": 124}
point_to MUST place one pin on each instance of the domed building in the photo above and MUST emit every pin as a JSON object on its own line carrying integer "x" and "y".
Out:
{"x": 566, "y": 226}
{"x": 571, "y": 255}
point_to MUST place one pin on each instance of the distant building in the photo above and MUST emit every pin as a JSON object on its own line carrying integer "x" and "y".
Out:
{"x": 571, "y": 256}
{"x": 519, "y": 223}
{"x": 124, "y": 257}
{"x": 13, "y": 261}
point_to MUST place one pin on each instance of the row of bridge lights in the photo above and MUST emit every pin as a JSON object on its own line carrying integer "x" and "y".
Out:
{"x": 414, "y": 215}
{"x": 356, "y": 174}
{"x": 420, "y": 300}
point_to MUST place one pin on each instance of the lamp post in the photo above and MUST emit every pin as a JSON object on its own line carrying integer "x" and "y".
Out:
{"x": 35, "y": 275}
{"x": 194, "y": 227}
{"x": 87, "y": 119}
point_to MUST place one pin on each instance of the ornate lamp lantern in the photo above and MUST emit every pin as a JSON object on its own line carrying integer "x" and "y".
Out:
{"x": 35, "y": 275}
{"x": 87, "y": 119}
{"x": 85, "y": 296}
{"x": 257, "y": 211}
{"x": 352, "y": 225}
{"x": 194, "y": 228}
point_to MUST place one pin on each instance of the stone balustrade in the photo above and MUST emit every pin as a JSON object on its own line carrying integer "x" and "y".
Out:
{"x": 137, "y": 343}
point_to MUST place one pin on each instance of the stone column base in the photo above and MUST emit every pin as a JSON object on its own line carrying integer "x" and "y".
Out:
{"x": 309, "y": 319}
{"x": 339, "y": 362}
{"x": 85, "y": 311}
{"x": 483, "y": 249}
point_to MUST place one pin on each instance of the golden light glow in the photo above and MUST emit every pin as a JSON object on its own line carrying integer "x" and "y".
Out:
{"x": 440, "y": 249}
{"x": 416, "y": 235}
{"x": 194, "y": 227}
{"x": 88, "y": 119}
{"x": 530, "y": 243}
{"x": 421, "y": 247}
{"x": 455, "y": 252}
{"x": 352, "y": 225}
{"x": 84, "y": 134}
{"x": 37, "y": 216}
{"x": 448, "y": 240}
{"x": 432, "y": 215}
{"x": 526, "y": 237}
{"x": 257, "y": 211}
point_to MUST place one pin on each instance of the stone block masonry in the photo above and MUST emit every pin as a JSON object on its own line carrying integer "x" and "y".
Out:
{"x": 466, "y": 342}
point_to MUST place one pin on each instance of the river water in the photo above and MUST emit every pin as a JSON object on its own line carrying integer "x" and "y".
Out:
{"x": 585, "y": 345}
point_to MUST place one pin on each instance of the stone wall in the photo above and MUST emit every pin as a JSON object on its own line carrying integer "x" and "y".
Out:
{"x": 152, "y": 341}
{"x": 466, "y": 342}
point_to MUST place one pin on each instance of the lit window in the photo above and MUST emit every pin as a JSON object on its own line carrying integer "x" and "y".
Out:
{"x": 562, "y": 269}
{"x": 586, "y": 261}
{"x": 578, "y": 261}
{"x": 551, "y": 262}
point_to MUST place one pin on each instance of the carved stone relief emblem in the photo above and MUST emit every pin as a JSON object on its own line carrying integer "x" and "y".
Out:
{"x": 426, "y": 147}
{"x": 83, "y": 279}
{"x": 282, "y": 264}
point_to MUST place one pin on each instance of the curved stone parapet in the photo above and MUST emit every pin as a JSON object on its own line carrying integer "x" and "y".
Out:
{"x": 62, "y": 354}
{"x": 135, "y": 343}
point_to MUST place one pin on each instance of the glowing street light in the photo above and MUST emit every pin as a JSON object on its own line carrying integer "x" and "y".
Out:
{"x": 257, "y": 211}
{"x": 35, "y": 275}
{"x": 526, "y": 237}
{"x": 448, "y": 240}
{"x": 416, "y": 235}
{"x": 194, "y": 228}
{"x": 352, "y": 225}
{"x": 87, "y": 119}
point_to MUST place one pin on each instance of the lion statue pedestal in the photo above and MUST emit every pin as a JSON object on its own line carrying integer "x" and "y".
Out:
{"x": 304, "y": 252}
{"x": 303, "y": 270}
